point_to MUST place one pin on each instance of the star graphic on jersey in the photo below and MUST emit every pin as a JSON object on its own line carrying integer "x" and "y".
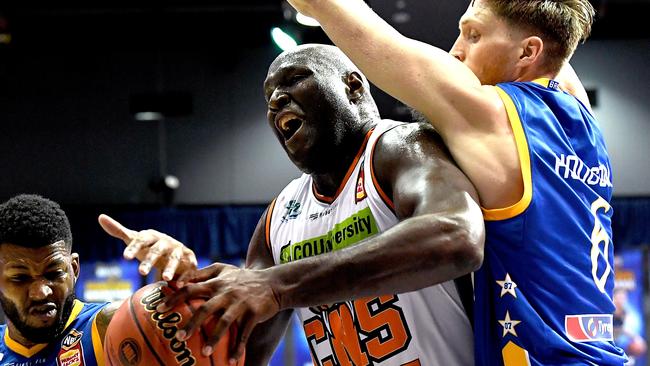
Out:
{"x": 509, "y": 325}
{"x": 508, "y": 286}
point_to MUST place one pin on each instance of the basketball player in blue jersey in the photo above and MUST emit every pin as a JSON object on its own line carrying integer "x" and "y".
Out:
{"x": 535, "y": 154}
{"x": 46, "y": 324}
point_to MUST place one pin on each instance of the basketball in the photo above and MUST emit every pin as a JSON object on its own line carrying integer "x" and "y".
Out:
{"x": 140, "y": 335}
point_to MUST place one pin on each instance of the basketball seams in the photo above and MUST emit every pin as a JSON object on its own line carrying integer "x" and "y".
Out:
{"x": 142, "y": 333}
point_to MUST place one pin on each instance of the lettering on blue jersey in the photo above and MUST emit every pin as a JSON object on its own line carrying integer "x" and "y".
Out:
{"x": 509, "y": 325}
{"x": 589, "y": 327}
{"x": 38, "y": 361}
{"x": 571, "y": 166}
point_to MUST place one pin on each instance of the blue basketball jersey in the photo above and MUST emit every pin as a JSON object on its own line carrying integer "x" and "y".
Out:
{"x": 79, "y": 345}
{"x": 544, "y": 292}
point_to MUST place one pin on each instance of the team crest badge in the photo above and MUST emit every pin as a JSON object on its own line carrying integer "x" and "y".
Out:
{"x": 361, "y": 186}
{"x": 293, "y": 211}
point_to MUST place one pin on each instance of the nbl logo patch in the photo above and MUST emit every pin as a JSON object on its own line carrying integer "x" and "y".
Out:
{"x": 589, "y": 327}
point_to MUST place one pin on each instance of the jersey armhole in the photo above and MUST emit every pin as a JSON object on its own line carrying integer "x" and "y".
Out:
{"x": 267, "y": 227}
{"x": 98, "y": 343}
{"x": 524, "y": 160}
{"x": 384, "y": 197}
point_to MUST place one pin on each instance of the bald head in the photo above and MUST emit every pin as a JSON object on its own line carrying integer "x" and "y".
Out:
{"x": 324, "y": 59}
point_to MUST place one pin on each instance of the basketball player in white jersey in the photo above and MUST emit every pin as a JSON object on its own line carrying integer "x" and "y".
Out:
{"x": 378, "y": 198}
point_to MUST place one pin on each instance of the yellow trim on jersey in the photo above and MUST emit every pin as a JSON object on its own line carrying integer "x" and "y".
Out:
{"x": 513, "y": 355}
{"x": 98, "y": 345}
{"x": 31, "y": 351}
{"x": 20, "y": 349}
{"x": 542, "y": 81}
{"x": 524, "y": 161}
{"x": 76, "y": 309}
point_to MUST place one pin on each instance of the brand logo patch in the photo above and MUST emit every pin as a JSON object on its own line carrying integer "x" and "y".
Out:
{"x": 361, "y": 188}
{"x": 129, "y": 352}
{"x": 293, "y": 211}
{"x": 70, "y": 358}
{"x": 589, "y": 327}
{"x": 71, "y": 352}
{"x": 71, "y": 339}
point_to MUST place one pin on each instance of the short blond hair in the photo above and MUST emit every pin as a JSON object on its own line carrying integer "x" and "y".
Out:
{"x": 561, "y": 24}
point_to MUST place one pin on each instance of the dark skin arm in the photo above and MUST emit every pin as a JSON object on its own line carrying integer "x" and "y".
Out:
{"x": 265, "y": 337}
{"x": 440, "y": 237}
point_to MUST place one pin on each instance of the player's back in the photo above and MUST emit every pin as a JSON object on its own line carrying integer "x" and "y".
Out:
{"x": 544, "y": 292}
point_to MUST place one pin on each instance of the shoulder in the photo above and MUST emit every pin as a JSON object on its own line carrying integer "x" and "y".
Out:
{"x": 410, "y": 141}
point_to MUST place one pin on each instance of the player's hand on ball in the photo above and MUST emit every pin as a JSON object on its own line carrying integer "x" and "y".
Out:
{"x": 243, "y": 297}
{"x": 152, "y": 249}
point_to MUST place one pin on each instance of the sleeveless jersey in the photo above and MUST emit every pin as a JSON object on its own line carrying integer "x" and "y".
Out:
{"x": 79, "y": 345}
{"x": 425, "y": 327}
{"x": 544, "y": 292}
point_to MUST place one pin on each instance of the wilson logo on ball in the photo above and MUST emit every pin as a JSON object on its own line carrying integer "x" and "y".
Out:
{"x": 166, "y": 322}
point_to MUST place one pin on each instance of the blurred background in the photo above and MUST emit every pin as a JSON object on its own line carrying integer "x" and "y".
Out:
{"x": 153, "y": 112}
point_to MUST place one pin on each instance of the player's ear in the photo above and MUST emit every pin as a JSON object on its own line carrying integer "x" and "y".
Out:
{"x": 531, "y": 50}
{"x": 355, "y": 87}
{"x": 75, "y": 265}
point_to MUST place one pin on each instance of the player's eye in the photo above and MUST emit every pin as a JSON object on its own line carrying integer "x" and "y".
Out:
{"x": 20, "y": 278}
{"x": 55, "y": 275}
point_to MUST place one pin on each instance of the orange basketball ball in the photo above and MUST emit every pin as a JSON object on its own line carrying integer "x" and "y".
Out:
{"x": 140, "y": 335}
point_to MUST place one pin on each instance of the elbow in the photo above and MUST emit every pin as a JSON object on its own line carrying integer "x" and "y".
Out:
{"x": 468, "y": 250}
{"x": 464, "y": 242}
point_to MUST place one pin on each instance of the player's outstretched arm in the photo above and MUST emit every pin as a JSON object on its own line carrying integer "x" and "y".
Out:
{"x": 152, "y": 249}
{"x": 424, "y": 77}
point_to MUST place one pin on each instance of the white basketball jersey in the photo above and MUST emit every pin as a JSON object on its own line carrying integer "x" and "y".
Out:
{"x": 425, "y": 327}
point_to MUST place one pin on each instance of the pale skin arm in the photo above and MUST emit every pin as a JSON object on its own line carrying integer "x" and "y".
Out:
{"x": 422, "y": 76}
{"x": 470, "y": 117}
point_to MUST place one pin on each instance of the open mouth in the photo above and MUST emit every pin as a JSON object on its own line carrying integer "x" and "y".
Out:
{"x": 44, "y": 312}
{"x": 288, "y": 124}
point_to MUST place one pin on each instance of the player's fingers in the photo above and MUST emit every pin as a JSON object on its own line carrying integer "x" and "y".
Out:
{"x": 223, "y": 324}
{"x": 191, "y": 291}
{"x": 242, "y": 340}
{"x": 173, "y": 260}
{"x": 211, "y": 308}
{"x": 200, "y": 275}
{"x": 154, "y": 254}
{"x": 115, "y": 229}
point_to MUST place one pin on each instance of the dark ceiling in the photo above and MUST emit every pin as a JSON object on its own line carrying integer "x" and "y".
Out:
{"x": 197, "y": 21}
{"x": 177, "y": 25}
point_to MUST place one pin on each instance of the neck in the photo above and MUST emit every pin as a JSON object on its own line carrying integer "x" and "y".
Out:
{"x": 531, "y": 74}
{"x": 328, "y": 182}
{"x": 16, "y": 336}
